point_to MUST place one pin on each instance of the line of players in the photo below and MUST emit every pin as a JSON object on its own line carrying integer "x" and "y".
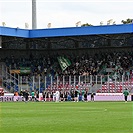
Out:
{"x": 72, "y": 95}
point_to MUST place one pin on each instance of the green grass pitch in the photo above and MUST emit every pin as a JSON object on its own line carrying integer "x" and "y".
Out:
{"x": 66, "y": 117}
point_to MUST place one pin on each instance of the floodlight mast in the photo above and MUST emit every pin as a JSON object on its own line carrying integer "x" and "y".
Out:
{"x": 34, "y": 21}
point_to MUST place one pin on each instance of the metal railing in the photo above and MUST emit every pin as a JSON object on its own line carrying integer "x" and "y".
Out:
{"x": 9, "y": 81}
{"x": 97, "y": 83}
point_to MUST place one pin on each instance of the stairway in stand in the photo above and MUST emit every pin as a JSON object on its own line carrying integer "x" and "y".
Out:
{"x": 0, "y": 74}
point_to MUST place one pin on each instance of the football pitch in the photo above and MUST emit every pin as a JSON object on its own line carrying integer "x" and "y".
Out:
{"x": 66, "y": 117}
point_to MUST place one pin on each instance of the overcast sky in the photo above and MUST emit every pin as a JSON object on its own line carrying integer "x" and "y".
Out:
{"x": 64, "y": 13}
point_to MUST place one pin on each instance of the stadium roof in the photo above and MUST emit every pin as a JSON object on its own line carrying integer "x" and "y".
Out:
{"x": 70, "y": 31}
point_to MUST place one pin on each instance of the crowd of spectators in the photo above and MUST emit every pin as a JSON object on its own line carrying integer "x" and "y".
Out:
{"x": 82, "y": 64}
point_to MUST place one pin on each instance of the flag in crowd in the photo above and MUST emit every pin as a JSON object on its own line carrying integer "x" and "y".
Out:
{"x": 64, "y": 62}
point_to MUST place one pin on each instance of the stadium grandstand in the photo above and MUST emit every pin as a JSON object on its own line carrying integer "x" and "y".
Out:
{"x": 95, "y": 59}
